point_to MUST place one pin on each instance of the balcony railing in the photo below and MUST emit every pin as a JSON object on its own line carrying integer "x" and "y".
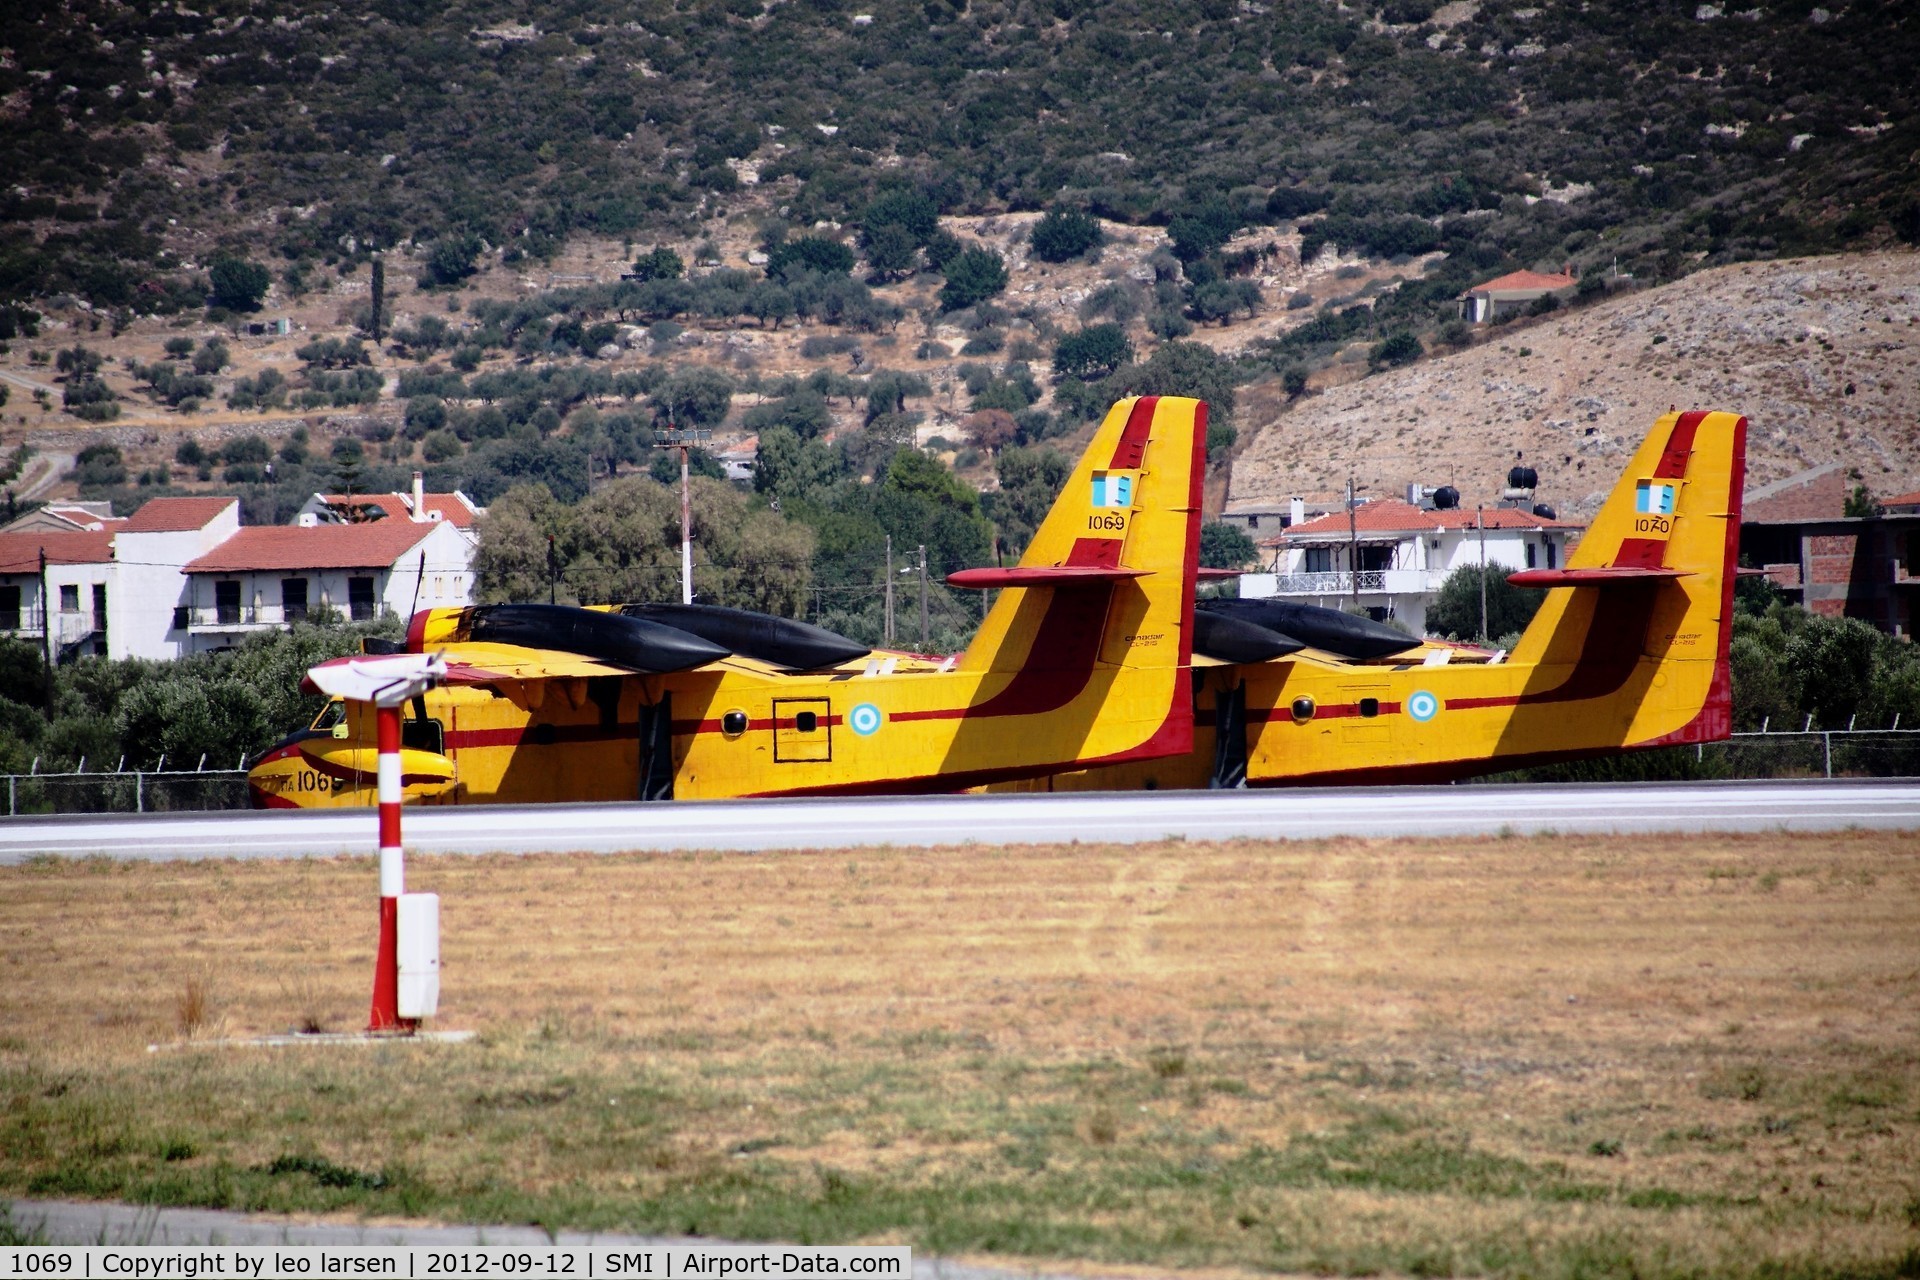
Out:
{"x": 1337, "y": 583}
{"x": 1393, "y": 582}
{"x": 30, "y": 623}
{"x": 241, "y": 617}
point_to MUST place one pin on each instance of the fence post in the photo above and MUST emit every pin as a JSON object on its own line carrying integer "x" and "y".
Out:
{"x": 139, "y": 792}
{"x": 12, "y": 782}
{"x": 1828, "y": 736}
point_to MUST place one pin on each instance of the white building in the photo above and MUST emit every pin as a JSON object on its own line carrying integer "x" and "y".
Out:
{"x": 150, "y": 552}
{"x": 182, "y": 576}
{"x": 1514, "y": 293}
{"x": 267, "y": 576}
{"x": 1396, "y": 555}
{"x": 77, "y": 570}
{"x": 114, "y": 588}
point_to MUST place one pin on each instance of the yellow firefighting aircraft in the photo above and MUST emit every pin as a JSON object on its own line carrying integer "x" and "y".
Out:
{"x": 1084, "y": 659}
{"x": 1629, "y": 650}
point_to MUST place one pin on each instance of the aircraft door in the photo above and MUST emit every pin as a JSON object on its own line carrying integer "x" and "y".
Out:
{"x": 1229, "y": 739}
{"x": 802, "y": 730}
{"x": 656, "y": 749}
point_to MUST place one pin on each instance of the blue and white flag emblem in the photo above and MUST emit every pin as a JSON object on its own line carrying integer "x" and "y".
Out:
{"x": 1112, "y": 490}
{"x": 1652, "y": 498}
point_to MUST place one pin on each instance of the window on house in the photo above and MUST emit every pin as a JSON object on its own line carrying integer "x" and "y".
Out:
{"x": 70, "y": 598}
{"x": 360, "y": 598}
{"x": 293, "y": 598}
{"x": 1375, "y": 559}
{"x": 100, "y": 606}
{"x": 1532, "y": 555}
{"x": 1319, "y": 559}
{"x": 226, "y": 603}
{"x": 182, "y": 617}
{"x": 1553, "y": 554}
{"x": 1253, "y": 522}
{"x": 9, "y": 608}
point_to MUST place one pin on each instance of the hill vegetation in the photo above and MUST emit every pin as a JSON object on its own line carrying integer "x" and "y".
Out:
{"x": 147, "y": 144}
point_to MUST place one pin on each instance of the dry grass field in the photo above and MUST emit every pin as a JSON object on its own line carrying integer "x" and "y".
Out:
{"x": 1546, "y": 1057}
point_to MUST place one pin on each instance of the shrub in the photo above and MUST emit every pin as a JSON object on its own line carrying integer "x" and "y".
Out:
{"x": 1060, "y": 237}
{"x": 1093, "y": 352}
{"x": 1398, "y": 349}
{"x": 238, "y": 284}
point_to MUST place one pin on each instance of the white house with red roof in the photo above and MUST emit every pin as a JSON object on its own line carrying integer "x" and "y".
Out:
{"x": 115, "y": 588}
{"x": 182, "y": 576}
{"x": 74, "y": 574}
{"x": 1513, "y": 293}
{"x": 1394, "y": 555}
{"x": 268, "y": 576}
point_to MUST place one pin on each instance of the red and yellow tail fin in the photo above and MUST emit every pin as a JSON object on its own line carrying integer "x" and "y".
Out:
{"x": 1642, "y": 614}
{"x": 1121, "y": 545}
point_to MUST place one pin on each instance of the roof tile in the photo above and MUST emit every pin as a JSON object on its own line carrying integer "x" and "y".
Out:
{"x": 322, "y": 546}
{"x": 20, "y": 552}
{"x": 175, "y": 515}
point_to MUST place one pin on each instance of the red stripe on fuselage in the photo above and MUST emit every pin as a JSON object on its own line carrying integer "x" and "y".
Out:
{"x": 1333, "y": 711}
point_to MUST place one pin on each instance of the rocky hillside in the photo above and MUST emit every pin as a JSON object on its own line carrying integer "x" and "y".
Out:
{"x": 1821, "y": 354}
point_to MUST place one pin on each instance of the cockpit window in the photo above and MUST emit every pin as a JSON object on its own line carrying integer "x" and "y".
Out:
{"x": 333, "y": 713}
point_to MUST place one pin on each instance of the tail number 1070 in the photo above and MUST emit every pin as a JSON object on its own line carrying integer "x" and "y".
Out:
{"x": 1653, "y": 524}
{"x": 1107, "y": 521}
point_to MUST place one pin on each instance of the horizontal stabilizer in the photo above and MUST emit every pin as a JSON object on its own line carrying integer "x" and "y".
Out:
{"x": 1597, "y": 577}
{"x": 1041, "y": 576}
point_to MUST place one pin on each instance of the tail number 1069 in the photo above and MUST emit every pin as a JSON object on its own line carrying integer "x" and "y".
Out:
{"x": 1107, "y": 521}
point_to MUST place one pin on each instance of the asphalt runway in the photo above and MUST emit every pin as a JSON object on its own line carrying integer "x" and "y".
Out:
{"x": 1100, "y": 817}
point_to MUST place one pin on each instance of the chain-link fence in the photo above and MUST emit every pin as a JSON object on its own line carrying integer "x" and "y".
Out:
{"x": 128, "y": 791}
{"x": 1818, "y": 753}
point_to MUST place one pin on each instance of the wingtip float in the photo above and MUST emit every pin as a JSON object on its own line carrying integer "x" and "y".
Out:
{"x": 1092, "y": 670}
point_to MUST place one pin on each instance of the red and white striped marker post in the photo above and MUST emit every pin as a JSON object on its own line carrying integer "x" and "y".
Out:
{"x": 385, "y": 1015}
{"x": 387, "y": 681}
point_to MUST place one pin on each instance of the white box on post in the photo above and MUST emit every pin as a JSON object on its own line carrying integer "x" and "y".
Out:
{"x": 419, "y": 954}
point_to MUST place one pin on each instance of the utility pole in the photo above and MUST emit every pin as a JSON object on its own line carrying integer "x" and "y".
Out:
{"x": 887, "y": 625}
{"x": 46, "y": 636}
{"x": 923, "y": 599}
{"x": 686, "y": 527}
{"x": 1480, "y": 519}
{"x": 684, "y": 440}
{"x": 553, "y": 572}
{"x": 1353, "y": 549}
